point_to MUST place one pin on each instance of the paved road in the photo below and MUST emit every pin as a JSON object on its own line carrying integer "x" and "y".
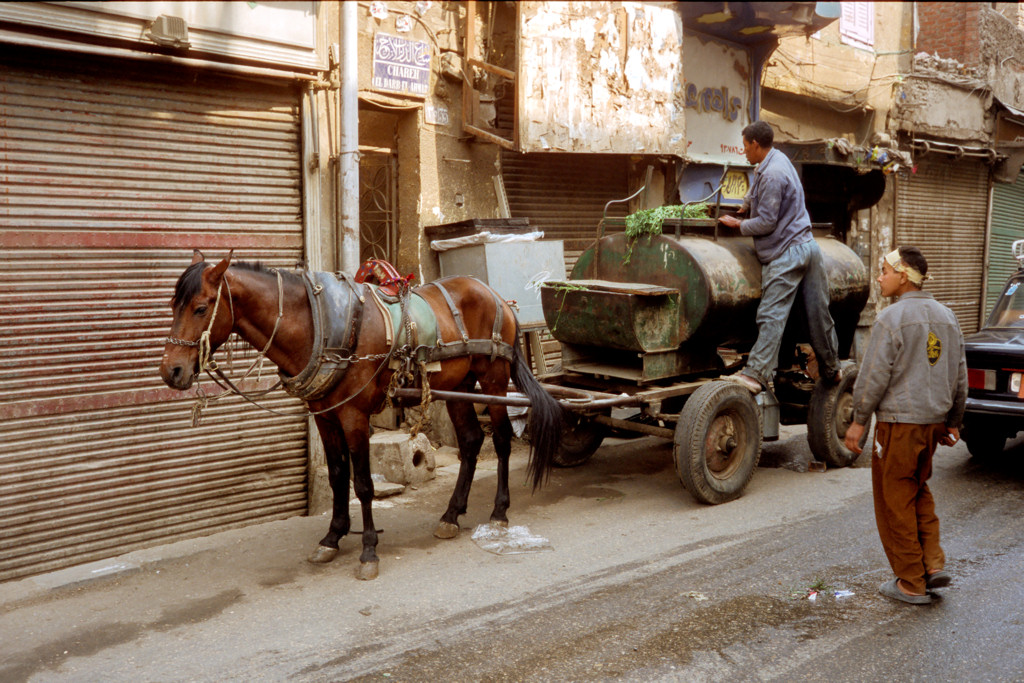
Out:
{"x": 642, "y": 584}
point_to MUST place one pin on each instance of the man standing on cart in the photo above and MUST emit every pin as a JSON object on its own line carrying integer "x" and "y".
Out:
{"x": 781, "y": 227}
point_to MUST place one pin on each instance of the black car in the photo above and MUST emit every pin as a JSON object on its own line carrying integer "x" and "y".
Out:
{"x": 995, "y": 368}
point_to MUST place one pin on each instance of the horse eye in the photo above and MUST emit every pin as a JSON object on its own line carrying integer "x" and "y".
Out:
{"x": 201, "y": 310}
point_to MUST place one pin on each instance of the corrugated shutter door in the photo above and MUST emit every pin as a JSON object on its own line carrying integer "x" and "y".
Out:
{"x": 942, "y": 210}
{"x": 1007, "y": 228}
{"x": 110, "y": 178}
{"x": 565, "y": 194}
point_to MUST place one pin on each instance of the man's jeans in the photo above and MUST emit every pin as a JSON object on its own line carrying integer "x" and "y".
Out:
{"x": 780, "y": 282}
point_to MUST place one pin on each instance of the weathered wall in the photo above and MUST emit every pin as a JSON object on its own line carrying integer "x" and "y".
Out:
{"x": 830, "y": 75}
{"x": 1002, "y": 57}
{"x": 803, "y": 118}
{"x": 443, "y": 175}
{"x": 601, "y": 77}
{"x": 933, "y": 105}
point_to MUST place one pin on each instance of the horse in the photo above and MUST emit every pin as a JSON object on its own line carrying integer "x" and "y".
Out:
{"x": 280, "y": 312}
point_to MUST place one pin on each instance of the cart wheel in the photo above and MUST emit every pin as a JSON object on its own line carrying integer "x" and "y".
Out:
{"x": 828, "y": 417}
{"x": 717, "y": 442}
{"x": 581, "y": 437}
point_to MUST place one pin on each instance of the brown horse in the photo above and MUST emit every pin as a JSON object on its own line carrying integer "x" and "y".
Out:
{"x": 272, "y": 310}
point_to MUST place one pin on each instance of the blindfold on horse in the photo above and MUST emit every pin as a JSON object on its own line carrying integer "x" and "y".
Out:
{"x": 339, "y": 347}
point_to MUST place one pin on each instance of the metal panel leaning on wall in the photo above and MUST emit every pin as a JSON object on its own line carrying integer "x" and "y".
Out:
{"x": 111, "y": 175}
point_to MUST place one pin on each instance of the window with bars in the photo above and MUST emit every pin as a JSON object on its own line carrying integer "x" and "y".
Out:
{"x": 378, "y": 230}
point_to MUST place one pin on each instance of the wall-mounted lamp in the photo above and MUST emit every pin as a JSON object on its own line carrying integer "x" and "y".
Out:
{"x": 169, "y": 31}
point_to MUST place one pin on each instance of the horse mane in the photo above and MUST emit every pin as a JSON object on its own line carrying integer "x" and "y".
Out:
{"x": 191, "y": 281}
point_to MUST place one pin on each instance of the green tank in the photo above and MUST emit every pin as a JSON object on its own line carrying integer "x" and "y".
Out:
{"x": 662, "y": 306}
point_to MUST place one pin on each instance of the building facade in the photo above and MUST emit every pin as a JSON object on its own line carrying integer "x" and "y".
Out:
{"x": 323, "y": 133}
{"x": 931, "y": 89}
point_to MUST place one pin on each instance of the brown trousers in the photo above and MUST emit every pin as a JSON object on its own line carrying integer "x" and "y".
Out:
{"x": 901, "y": 464}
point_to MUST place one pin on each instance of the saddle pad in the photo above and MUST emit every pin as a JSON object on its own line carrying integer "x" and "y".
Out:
{"x": 420, "y": 313}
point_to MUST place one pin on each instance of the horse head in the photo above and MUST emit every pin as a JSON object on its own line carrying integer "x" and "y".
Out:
{"x": 203, "y": 320}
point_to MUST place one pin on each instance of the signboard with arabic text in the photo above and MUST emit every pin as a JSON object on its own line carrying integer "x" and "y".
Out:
{"x": 400, "y": 65}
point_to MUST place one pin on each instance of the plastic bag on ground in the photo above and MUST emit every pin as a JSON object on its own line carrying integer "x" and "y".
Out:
{"x": 513, "y": 540}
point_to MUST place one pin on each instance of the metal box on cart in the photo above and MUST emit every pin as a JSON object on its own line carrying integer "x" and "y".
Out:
{"x": 514, "y": 269}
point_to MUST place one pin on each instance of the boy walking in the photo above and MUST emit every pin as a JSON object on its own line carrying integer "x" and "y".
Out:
{"x": 914, "y": 379}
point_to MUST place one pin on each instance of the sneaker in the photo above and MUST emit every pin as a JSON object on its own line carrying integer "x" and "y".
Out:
{"x": 745, "y": 381}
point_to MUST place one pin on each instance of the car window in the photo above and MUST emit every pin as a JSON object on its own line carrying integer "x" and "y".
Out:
{"x": 1009, "y": 309}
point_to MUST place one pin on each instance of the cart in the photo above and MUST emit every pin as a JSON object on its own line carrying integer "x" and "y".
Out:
{"x": 649, "y": 326}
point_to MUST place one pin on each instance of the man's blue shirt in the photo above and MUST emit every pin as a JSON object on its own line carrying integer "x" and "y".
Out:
{"x": 775, "y": 204}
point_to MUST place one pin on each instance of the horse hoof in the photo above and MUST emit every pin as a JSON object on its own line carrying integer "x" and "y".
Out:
{"x": 446, "y": 530}
{"x": 501, "y": 523}
{"x": 368, "y": 571}
{"x": 323, "y": 555}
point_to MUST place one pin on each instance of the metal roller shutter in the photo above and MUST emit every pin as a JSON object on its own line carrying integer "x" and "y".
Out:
{"x": 110, "y": 177}
{"x": 564, "y": 194}
{"x": 942, "y": 209}
{"x": 1007, "y": 228}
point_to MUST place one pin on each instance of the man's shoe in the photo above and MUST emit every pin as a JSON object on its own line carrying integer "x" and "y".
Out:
{"x": 745, "y": 381}
{"x": 844, "y": 367}
{"x": 891, "y": 589}
{"x": 834, "y": 378}
{"x": 939, "y": 579}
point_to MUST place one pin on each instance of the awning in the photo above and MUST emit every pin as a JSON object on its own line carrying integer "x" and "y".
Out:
{"x": 842, "y": 152}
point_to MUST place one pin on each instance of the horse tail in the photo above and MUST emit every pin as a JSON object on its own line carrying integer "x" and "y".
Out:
{"x": 547, "y": 417}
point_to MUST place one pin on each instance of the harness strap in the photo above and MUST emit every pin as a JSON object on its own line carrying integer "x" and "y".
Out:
{"x": 473, "y": 347}
{"x": 499, "y": 322}
{"x": 495, "y": 347}
{"x": 456, "y": 314}
{"x": 327, "y": 362}
{"x": 356, "y": 319}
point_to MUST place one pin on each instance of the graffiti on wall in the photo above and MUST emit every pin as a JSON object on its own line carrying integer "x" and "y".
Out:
{"x": 713, "y": 101}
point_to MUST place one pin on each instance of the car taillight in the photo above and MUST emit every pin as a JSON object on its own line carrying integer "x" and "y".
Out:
{"x": 1016, "y": 384}
{"x": 981, "y": 379}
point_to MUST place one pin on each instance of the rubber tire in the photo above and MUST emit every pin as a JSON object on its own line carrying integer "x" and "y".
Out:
{"x": 828, "y": 417}
{"x": 985, "y": 437}
{"x": 715, "y": 407}
{"x": 579, "y": 441}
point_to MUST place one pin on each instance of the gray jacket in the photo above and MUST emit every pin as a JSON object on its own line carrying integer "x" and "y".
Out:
{"x": 775, "y": 203}
{"x": 914, "y": 369}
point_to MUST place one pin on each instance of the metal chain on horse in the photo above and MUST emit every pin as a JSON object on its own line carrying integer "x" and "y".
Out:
{"x": 405, "y": 373}
{"x": 403, "y": 288}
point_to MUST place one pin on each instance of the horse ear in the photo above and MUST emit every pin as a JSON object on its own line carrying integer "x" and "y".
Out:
{"x": 197, "y": 256}
{"x": 212, "y": 276}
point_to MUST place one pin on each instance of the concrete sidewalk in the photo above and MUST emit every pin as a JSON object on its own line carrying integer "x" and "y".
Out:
{"x": 430, "y": 498}
{"x": 262, "y": 536}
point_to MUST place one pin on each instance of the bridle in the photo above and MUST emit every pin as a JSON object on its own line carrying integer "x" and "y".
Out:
{"x": 204, "y": 339}
{"x": 209, "y": 364}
